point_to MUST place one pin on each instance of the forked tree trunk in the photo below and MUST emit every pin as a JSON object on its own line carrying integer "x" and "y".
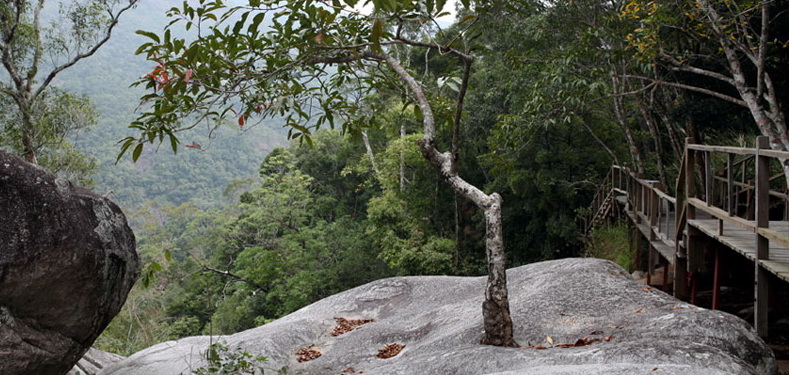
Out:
{"x": 496, "y": 308}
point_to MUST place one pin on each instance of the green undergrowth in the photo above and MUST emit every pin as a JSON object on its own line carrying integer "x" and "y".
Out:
{"x": 610, "y": 242}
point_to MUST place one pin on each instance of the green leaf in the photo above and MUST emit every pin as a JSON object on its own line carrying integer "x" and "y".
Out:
{"x": 440, "y": 5}
{"x": 174, "y": 142}
{"x": 378, "y": 28}
{"x": 149, "y": 35}
{"x": 467, "y": 18}
{"x": 137, "y": 152}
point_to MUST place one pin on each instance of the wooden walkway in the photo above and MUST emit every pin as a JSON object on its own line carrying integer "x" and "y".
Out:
{"x": 726, "y": 195}
{"x": 744, "y": 242}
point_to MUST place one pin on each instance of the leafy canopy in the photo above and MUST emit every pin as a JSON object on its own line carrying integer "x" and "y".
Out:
{"x": 308, "y": 62}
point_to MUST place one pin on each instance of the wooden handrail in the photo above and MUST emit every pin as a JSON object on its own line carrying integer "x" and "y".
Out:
{"x": 716, "y": 212}
{"x": 725, "y": 149}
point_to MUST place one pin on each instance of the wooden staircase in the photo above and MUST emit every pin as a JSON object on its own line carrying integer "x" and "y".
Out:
{"x": 603, "y": 211}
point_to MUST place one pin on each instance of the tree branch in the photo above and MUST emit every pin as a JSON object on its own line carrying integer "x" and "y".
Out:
{"x": 459, "y": 110}
{"x": 679, "y": 66}
{"x": 716, "y": 94}
{"x": 370, "y": 153}
{"x": 88, "y": 53}
{"x": 441, "y": 49}
{"x": 233, "y": 276}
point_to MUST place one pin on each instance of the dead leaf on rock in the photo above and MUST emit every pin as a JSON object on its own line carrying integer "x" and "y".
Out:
{"x": 351, "y": 370}
{"x": 539, "y": 347}
{"x": 549, "y": 339}
{"x": 638, "y": 310}
{"x": 390, "y": 351}
{"x": 348, "y": 325}
{"x": 647, "y": 289}
{"x": 308, "y": 354}
{"x": 607, "y": 338}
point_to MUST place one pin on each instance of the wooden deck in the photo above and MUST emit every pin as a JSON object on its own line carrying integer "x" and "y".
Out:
{"x": 713, "y": 200}
{"x": 744, "y": 242}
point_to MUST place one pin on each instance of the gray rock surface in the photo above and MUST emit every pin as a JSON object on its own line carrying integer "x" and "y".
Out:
{"x": 640, "y": 330}
{"x": 93, "y": 361}
{"x": 67, "y": 262}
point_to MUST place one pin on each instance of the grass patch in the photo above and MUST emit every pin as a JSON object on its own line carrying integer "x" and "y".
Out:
{"x": 611, "y": 242}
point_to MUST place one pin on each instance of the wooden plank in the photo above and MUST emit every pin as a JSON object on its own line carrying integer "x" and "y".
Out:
{"x": 667, "y": 252}
{"x": 774, "y": 154}
{"x": 774, "y": 236}
{"x": 736, "y": 239}
{"x": 726, "y": 149}
{"x": 723, "y": 215}
{"x": 665, "y": 196}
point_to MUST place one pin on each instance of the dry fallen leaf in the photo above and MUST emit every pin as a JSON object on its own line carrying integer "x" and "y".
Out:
{"x": 607, "y": 338}
{"x": 307, "y": 354}
{"x": 638, "y": 310}
{"x": 549, "y": 339}
{"x": 647, "y": 289}
{"x": 390, "y": 351}
{"x": 347, "y": 325}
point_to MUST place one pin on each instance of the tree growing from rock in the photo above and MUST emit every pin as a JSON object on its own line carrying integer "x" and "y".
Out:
{"x": 313, "y": 63}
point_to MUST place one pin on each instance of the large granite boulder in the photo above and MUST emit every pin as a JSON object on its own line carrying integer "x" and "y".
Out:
{"x": 93, "y": 361}
{"x": 572, "y": 316}
{"x": 67, "y": 263}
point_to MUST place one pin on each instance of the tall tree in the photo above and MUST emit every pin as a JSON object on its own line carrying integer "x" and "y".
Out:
{"x": 313, "y": 65}
{"x": 734, "y": 46}
{"x": 36, "y": 44}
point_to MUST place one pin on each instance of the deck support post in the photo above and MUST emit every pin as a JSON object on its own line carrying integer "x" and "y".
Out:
{"x": 665, "y": 273}
{"x": 716, "y": 280}
{"x": 680, "y": 278}
{"x": 694, "y": 288}
{"x": 761, "y": 289}
{"x": 637, "y": 246}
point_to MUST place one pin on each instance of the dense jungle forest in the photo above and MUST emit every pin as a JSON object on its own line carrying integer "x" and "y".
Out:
{"x": 270, "y": 208}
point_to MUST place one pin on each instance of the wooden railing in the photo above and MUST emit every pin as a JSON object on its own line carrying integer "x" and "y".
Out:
{"x": 736, "y": 186}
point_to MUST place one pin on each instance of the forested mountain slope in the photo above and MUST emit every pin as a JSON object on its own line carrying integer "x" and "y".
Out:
{"x": 196, "y": 176}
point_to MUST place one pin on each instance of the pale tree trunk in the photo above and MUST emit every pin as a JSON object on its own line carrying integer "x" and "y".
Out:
{"x": 653, "y": 130}
{"x": 402, "y": 159}
{"x": 635, "y": 152}
{"x": 370, "y": 153}
{"x": 495, "y": 309}
{"x": 27, "y": 130}
{"x": 762, "y": 101}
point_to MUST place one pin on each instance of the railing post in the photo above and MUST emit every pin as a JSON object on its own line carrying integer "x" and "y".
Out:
{"x": 695, "y": 253}
{"x": 730, "y": 207}
{"x": 681, "y": 265}
{"x": 650, "y": 207}
{"x": 708, "y": 179}
{"x": 762, "y": 191}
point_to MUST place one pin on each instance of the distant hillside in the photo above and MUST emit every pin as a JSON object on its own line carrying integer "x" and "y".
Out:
{"x": 189, "y": 176}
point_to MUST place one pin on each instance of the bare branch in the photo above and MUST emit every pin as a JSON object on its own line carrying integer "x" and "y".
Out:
{"x": 716, "y": 94}
{"x": 370, "y": 153}
{"x": 459, "y": 110}
{"x": 680, "y": 66}
{"x": 441, "y": 48}
{"x": 233, "y": 276}
{"x": 88, "y": 53}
